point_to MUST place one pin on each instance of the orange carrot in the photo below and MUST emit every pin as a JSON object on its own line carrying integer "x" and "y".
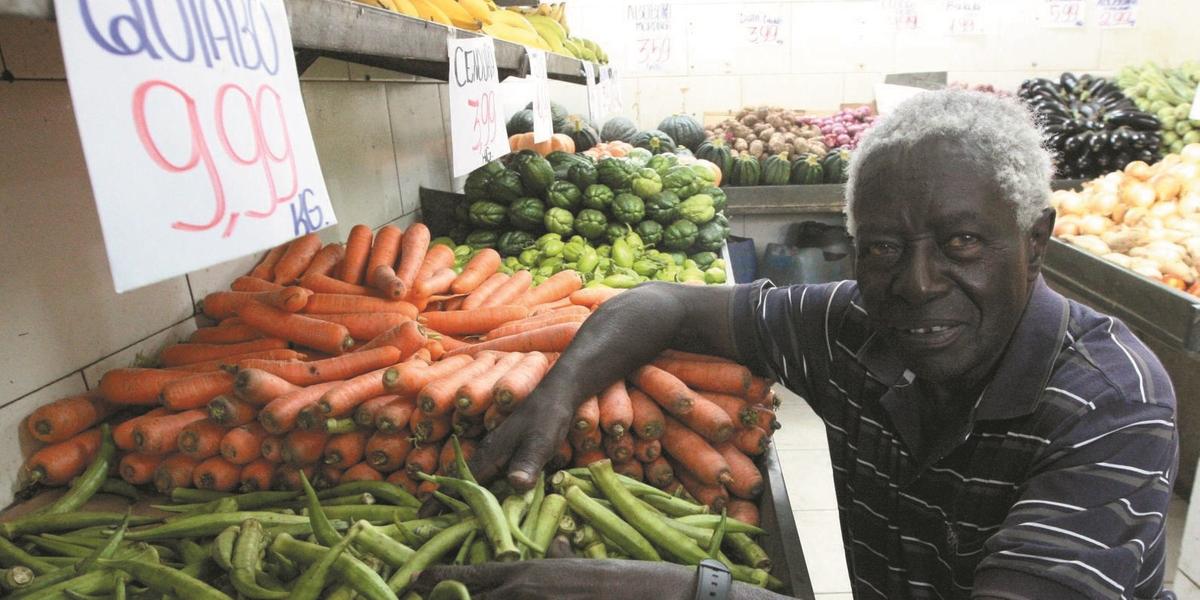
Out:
{"x": 759, "y": 388}
{"x": 559, "y": 285}
{"x": 306, "y": 331}
{"x": 512, "y": 388}
{"x": 493, "y": 417}
{"x": 287, "y": 477}
{"x": 437, "y": 283}
{"x": 593, "y": 297}
{"x": 201, "y": 439}
{"x": 259, "y": 387}
{"x": 303, "y": 447}
{"x": 447, "y": 342}
{"x": 197, "y": 390}
{"x": 325, "y": 260}
{"x": 265, "y": 269}
{"x": 237, "y": 359}
{"x": 174, "y": 471}
{"x": 659, "y": 472}
{"x": 279, "y": 415}
{"x": 422, "y": 459}
{"x": 404, "y": 480}
{"x": 467, "y": 426}
{"x": 510, "y": 290}
{"x": 297, "y": 258}
{"x": 541, "y": 309}
{"x": 481, "y": 320}
{"x": 366, "y": 326}
{"x": 428, "y": 428}
{"x": 358, "y": 247}
{"x": 410, "y": 377}
{"x": 123, "y": 433}
{"x": 485, "y": 290}
{"x": 735, "y": 407}
{"x": 326, "y": 476}
{"x": 552, "y": 338}
{"x": 646, "y": 450}
{"x": 619, "y": 449}
{"x": 383, "y": 250}
{"x": 324, "y": 284}
{"x": 136, "y": 386}
{"x": 138, "y": 469}
{"x": 752, "y": 440}
{"x": 480, "y": 267}
{"x": 586, "y": 441}
{"x": 742, "y": 510}
{"x": 616, "y": 410}
{"x": 395, "y": 415}
{"x": 695, "y": 453}
{"x": 344, "y": 397}
{"x": 446, "y": 459}
{"x": 631, "y": 469}
{"x": 256, "y": 475}
{"x": 708, "y": 420}
{"x": 648, "y": 418}
{"x": 247, "y": 283}
{"x": 386, "y": 283}
{"x": 413, "y": 249}
{"x": 587, "y": 415}
{"x": 330, "y": 369}
{"x": 436, "y": 258}
{"x": 58, "y": 463}
{"x": 229, "y": 411}
{"x": 66, "y": 417}
{"x": 272, "y": 448}
{"x": 333, "y": 304}
{"x": 454, "y": 303}
{"x": 243, "y": 444}
{"x": 436, "y": 398}
{"x": 713, "y": 496}
{"x": 577, "y": 314}
{"x": 160, "y": 435}
{"x": 231, "y": 334}
{"x": 722, "y": 377}
{"x": 407, "y": 337}
{"x": 364, "y": 414}
{"x": 747, "y": 480}
{"x": 761, "y": 417}
{"x": 386, "y": 451}
{"x": 361, "y": 472}
{"x": 474, "y": 396}
{"x": 185, "y": 354}
{"x": 216, "y": 474}
{"x": 666, "y": 389}
{"x": 583, "y": 459}
{"x": 434, "y": 348}
{"x": 345, "y": 449}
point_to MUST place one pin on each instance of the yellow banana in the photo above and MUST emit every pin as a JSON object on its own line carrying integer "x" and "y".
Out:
{"x": 478, "y": 9}
{"x": 457, "y": 14}
{"x": 515, "y": 35}
{"x": 426, "y": 10}
{"x": 549, "y": 31}
{"x": 405, "y": 7}
{"x": 512, "y": 19}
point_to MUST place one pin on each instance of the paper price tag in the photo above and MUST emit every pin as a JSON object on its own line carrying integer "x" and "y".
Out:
{"x": 196, "y": 141}
{"x": 595, "y": 110}
{"x": 1062, "y": 13}
{"x": 762, "y": 25}
{"x": 903, "y": 14}
{"x": 612, "y": 91}
{"x": 965, "y": 17}
{"x": 657, "y": 41}
{"x": 1116, "y": 14}
{"x": 543, "y": 125}
{"x": 477, "y": 131}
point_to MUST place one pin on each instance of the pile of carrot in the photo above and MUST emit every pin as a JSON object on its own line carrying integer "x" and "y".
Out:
{"x": 357, "y": 361}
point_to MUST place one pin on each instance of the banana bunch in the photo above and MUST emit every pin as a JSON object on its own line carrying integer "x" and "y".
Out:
{"x": 586, "y": 50}
{"x": 557, "y": 11}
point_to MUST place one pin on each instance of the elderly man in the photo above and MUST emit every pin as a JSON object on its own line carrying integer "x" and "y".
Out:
{"x": 990, "y": 439}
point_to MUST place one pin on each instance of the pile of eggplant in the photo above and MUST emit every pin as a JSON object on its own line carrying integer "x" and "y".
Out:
{"x": 1090, "y": 125}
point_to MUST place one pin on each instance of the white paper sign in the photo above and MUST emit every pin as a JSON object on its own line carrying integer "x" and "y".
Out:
{"x": 903, "y": 14}
{"x": 657, "y": 40}
{"x": 965, "y": 17}
{"x": 1116, "y": 14}
{"x": 477, "y": 133}
{"x": 762, "y": 25}
{"x": 1063, "y": 14}
{"x": 543, "y": 125}
{"x": 196, "y": 140}
{"x": 595, "y": 109}
{"x": 609, "y": 92}
{"x": 1195, "y": 114}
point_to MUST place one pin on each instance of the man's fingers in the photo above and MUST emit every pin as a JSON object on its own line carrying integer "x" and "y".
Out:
{"x": 534, "y": 451}
{"x": 475, "y": 577}
{"x": 493, "y": 452}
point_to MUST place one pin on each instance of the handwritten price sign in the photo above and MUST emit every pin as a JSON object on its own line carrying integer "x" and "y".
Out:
{"x": 477, "y": 132}
{"x": 1116, "y": 14}
{"x": 966, "y": 17}
{"x": 1063, "y": 14}
{"x": 657, "y": 40}
{"x": 543, "y": 124}
{"x": 762, "y": 25}
{"x": 197, "y": 143}
{"x": 903, "y": 14}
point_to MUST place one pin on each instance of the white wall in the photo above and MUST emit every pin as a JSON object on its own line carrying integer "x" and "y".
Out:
{"x": 838, "y": 49}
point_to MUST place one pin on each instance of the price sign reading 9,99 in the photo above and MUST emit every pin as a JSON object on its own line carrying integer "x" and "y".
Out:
{"x": 477, "y": 132}
{"x": 195, "y": 135}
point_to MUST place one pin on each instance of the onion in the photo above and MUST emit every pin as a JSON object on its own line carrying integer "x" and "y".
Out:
{"x": 1071, "y": 203}
{"x": 1093, "y": 224}
{"x": 1189, "y": 203}
{"x": 1134, "y": 215}
{"x": 1166, "y": 187}
{"x": 1119, "y": 259}
{"x": 1138, "y": 170}
{"x": 1163, "y": 210}
{"x": 1104, "y": 203}
{"x": 1191, "y": 153}
{"x": 1090, "y": 243}
{"x": 1137, "y": 194}
{"x": 1146, "y": 268}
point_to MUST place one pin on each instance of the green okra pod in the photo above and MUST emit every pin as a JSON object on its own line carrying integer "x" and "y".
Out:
{"x": 164, "y": 579}
{"x": 54, "y": 523}
{"x": 15, "y": 578}
{"x": 374, "y": 541}
{"x": 222, "y": 547}
{"x": 612, "y": 526}
{"x": 431, "y": 552}
{"x": 487, "y": 509}
{"x": 209, "y": 525}
{"x": 310, "y": 584}
{"x": 350, "y": 570}
{"x": 384, "y": 492}
{"x": 88, "y": 483}
{"x": 248, "y": 553}
{"x": 554, "y": 506}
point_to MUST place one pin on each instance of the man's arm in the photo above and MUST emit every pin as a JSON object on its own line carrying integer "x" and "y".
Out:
{"x": 626, "y": 332}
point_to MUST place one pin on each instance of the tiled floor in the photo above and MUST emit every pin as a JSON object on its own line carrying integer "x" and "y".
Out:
{"x": 803, "y": 453}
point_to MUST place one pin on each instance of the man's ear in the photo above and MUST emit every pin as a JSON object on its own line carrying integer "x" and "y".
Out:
{"x": 1039, "y": 237}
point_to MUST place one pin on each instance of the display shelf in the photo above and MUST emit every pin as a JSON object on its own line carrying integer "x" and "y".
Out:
{"x": 370, "y": 36}
{"x": 1144, "y": 304}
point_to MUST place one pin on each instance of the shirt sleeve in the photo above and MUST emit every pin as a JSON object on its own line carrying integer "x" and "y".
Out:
{"x": 1091, "y": 516}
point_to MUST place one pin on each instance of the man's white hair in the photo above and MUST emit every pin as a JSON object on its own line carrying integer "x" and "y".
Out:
{"x": 1001, "y": 133}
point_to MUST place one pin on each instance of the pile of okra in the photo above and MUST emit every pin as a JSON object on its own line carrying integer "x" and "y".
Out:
{"x": 359, "y": 540}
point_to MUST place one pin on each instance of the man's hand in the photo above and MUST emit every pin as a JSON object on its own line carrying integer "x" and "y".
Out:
{"x": 567, "y": 579}
{"x": 526, "y": 440}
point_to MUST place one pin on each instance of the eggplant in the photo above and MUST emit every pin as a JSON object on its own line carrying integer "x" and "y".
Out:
{"x": 1069, "y": 82}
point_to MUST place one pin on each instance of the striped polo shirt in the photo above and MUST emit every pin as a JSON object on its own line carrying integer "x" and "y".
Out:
{"x": 1056, "y": 486}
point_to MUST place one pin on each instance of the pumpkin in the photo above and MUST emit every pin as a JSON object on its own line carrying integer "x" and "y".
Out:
{"x": 520, "y": 122}
{"x": 685, "y": 130}
{"x": 557, "y": 143}
{"x": 776, "y": 170}
{"x": 618, "y": 129}
{"x": 718, "y": 152}
{"x": 746, "y": 171}
{"x": 655, "y": 141}
{"x": 581, "y": 133}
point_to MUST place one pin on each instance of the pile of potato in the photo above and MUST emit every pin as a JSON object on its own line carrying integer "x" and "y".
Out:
{"x": 769, "y": 130}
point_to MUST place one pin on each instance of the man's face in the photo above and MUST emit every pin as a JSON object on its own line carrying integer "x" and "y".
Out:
{"x": 943, "y": 266}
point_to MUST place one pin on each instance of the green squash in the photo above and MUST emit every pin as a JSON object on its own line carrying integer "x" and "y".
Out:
{"x": 536, "y": 175}
{"x": 718, "y": 196}
{"x": 598, "y": 197}
{"x": 650, "y": 231}
{"x": 704, "y": 259}
{"x": 527, "y": 214}
{"x": 564, "y": 194}
{"x": 590, "y": 223}
{"x": 582, "y": 133}
{"x": 746, "y": 171}
{"x": 776, "y": 170}
{"x": 520, "y": 122}
{"x": 655, "y": 141}
{"x": 559, "y": 220}
{"x": 837, "y": 166}
{"x": 512, "y": 243}
{"x": 685, "y": 130}
{"x": 505, "y": 187}
{"x": 628, "y": 208}
{"x": 697, "y": 209}
{"x": 683, "y": 181}
{"x": 618, "y": 129}
{"x": 663, "y": 162}
{"x": 616, "y": 230}
{"x": 583, "y": 175}
{"x": 663, "y": 207}
{"x": 476, "y": 186}
{"x": 709, "y": 237}
{"x": 646, "y": 183}
{"x": 615, "y": 173}
{"x": 680, "y": 235}
{"x": 482, "y": 238}
{"x": 807, "y": 170}
{"x": 706, "y": 175}
{"x": 717, "y": 152}
{"x": 485, "y": 214}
